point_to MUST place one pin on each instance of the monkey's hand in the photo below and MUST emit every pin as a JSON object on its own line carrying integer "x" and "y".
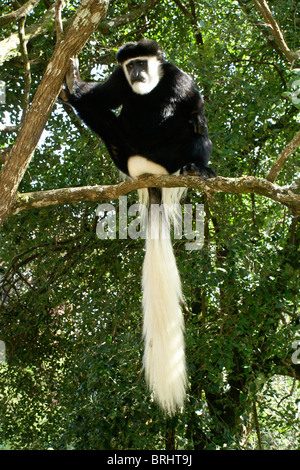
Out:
{"x": 198, "y": 123}
{"x": 72, "y": 77}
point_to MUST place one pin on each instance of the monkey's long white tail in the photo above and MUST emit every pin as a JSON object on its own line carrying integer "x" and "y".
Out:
{"x": 163, "y": 327}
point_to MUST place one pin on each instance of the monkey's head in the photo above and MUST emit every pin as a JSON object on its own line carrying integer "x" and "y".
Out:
{"x": 141, "y": 63}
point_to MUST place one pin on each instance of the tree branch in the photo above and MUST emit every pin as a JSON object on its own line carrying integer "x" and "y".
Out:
{"x": 132, "y": 15}
{"x": 58, "y": 21}
{"x": 9, "y": 47}
{"x": 19, "y": 13}
{"x": 242, "y": 185}
{"x": 27, "y": 78}
{"x": 183, "y": 8}
{"x": 192, "y": 17}
{"x": 264, "y": 9}
{"x": 80, "y": 29}
{"x": 27, "y": 71}
{"x": 289, "y": 149}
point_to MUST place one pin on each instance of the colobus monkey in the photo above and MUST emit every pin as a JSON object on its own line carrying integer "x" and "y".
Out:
{"x": 161, "y": 129}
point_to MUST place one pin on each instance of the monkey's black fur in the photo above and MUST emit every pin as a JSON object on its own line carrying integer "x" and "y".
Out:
{"x": 144, "y": 47}
{"x": 167, "y": 125}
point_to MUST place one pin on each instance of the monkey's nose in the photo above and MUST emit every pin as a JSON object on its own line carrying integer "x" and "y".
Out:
{"x": 136, "y": 77}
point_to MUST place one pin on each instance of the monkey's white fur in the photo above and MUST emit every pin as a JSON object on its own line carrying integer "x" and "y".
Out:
{"x": 138, "y": 165}
{"x": 151, "y": 77}
{"x": 163, "y": 325}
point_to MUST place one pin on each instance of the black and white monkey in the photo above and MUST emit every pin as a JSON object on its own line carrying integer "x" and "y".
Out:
{"x": 161, "y": 129}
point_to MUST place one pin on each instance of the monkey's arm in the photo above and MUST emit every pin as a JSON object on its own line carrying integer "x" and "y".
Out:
{"x": 197, "y": 116}
{"x": 188, "y": 98}
{"x": 198, "y": 119}
{"x": 86, "y": 95}
{"x": 94, "y": 103}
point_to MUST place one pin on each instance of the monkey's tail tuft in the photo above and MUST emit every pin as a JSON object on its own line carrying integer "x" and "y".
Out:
{"x": 163, "y": 327}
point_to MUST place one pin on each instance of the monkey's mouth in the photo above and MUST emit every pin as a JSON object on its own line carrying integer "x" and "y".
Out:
{"x": 138, "y": 80}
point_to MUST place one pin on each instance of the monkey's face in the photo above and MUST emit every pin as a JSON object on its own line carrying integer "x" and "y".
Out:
{"x": 142, "y": 73}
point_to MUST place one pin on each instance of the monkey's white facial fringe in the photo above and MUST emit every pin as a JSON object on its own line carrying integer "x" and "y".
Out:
{"x": 152, "y": 77}
{"x": 163, "y": 328}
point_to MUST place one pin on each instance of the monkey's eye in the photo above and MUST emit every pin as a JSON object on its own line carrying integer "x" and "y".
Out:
{"x": 129, "y": 66}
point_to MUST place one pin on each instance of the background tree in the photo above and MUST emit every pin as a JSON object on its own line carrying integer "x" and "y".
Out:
{"x": 70, "y": 313}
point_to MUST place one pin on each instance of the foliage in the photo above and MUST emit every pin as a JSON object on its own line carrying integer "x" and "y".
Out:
{"x": 70, "y": 314}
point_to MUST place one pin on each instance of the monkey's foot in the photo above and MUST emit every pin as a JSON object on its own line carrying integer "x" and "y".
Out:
{"x": 194, "y": 169}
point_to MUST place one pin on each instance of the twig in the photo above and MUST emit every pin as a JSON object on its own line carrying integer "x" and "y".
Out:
{"x": 289, "y": 394}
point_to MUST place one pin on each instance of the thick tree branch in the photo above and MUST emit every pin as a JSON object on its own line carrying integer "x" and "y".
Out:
{"x": 289, "y": 149}
{"x": 80, "y": 29}
{"x": 242, "y": 185}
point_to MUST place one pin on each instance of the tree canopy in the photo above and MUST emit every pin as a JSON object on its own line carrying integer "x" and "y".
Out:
{"x": 70, "y": 302}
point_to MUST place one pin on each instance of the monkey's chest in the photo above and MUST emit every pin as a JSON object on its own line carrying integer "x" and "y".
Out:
{"x": 150, "y": 123}
{"x": 145, "y": 120}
